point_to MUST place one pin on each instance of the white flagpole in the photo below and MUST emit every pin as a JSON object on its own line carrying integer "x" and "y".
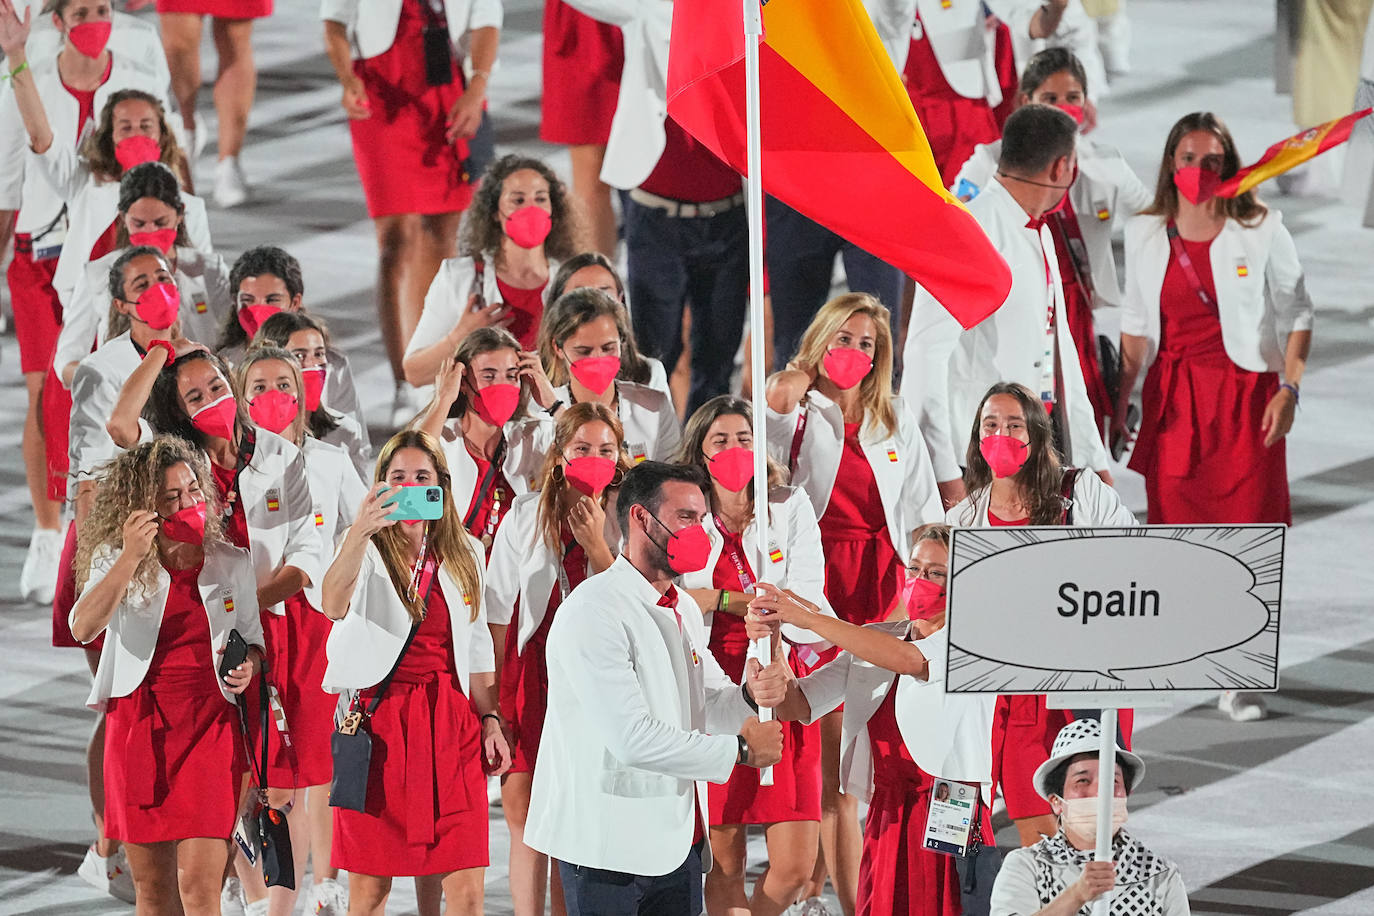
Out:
{"x": 1106, "y": 792}
{"x": 753, "y": 34}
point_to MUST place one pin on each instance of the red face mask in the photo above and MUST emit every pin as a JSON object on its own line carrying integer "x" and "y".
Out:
{"x": 1196, "y": 183}
{"x": 922, "y": 597}
{"x": 595, "y": 373}
{"x": 217, "y": 418}
{"x": 1074, "y": 111}
{"x": 1006, "y": 455}
{"x": 136, "y": 150}
{"x": 251, "y": 317}
{"x": 161, "y": 239}
{"x": 274, "y": 410}
{"x": 847, "y": 366}
{"x": 688, "y": 549}
{"x": 529, "y": 226}
{"x": 157, "y": 306}
{"x": 313, "y": 380}
{"x": 186, "y": 525}
{"x": 90, "y": 38}
{"x": 590, "y": 474}
{"x": 496, "y": 404}
{"x": 732, "y": 468}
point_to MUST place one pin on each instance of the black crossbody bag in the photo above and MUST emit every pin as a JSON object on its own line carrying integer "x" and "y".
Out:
{"x": 273, "y": 835}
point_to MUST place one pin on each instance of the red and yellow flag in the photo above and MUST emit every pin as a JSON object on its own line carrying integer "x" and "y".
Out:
{"x": 1292, "y": 152}
{"x": 840, "y": 141}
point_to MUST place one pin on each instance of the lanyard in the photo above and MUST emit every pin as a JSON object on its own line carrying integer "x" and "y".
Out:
{"x": 1189, "y": 271}
{"x": 746, "y": 579}
{"x": 564, "y": 584}
{"x": 1048, "y": 361}
{"x": 1066, "y": 231}
{"x": 418, "y": 572}
{"x": 493, "y": 517}
{"x": 797, "y": 438}
{"x": 248, "y": 444}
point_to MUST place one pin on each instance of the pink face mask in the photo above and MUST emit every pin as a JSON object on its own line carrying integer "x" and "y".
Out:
{"x": 90, "y": 38}
{"x": 1074, "y": 111}
{"x": 496, "y": 404}
{"x": 157, "y": 306}
{"x": 136, "y": 150}
{"x": 313, "y": 380}
{"x": 161, "y": 239}
{"x": 251, "y": 317}
{"x": 186, "y": 525}
{"x": 922, "y": 597}
{"x": 217, "y": 418}
{"x": 688, "y": 549}
{"x": 732, "y": 468}
{"x": 1197, "y": 184}
{"x": 1006, "y": 455}
{"x": 590, "y": 474}
{"x": 847, "y": 366}
{"x": 274, "y": 410}
{"x": 529, "y": 226}
{"x": 595, "y": 373}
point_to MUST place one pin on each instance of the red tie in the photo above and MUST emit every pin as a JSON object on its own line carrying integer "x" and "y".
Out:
{"x": 669, "y": 600}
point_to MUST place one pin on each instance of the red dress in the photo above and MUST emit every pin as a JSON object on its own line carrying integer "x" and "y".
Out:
{"x": 954, "y": 125}
{"x": 863, "y": 573}
{"x": 525, "y": 675}
{"x": 426, "y": 792}
{"x": 220, "y": 9}
{"x": 1078, "y": 309}
{"x": 796, "y": 791}
{"x": 495, "y": 503}
{"x": 173, "y": 748}
{"x": 582, "y": 62}
{"x": 527, "y": 308}
{"x": 897, "y": 874}
{"x": 1200, "y": 445}
{"x": 309, "y": 710}
{"x": 405, "y": 162}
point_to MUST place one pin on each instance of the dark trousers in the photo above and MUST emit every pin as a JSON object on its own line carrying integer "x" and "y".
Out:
{"x": 699, "y": 261}
{"x": 800, "y": 255}
{"x": 597, "y": 892}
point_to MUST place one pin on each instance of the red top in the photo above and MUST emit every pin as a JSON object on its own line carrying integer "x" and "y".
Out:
{"x": 236, "y": 527}
{"x": 432, "y": 649}
{"x": 527, "y": 308}
{"x": 884, "y": 735}
{"x": 85, "y": 101}
{"x": 856, "y": 506}
{"x": 729, "y": 644}
{"x": 1187, "y": 326}
{"x": 996, "y": 522}
{"x": 688, "y": 171}
{"x": 494, "y": 505}
{"x": 183, "y": 639}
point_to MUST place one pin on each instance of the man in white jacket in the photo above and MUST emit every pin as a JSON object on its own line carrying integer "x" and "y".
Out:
{"x": 1027, "y": 340}
{"x": 640, "y": 715}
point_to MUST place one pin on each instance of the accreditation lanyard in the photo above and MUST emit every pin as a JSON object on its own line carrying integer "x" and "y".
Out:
{"x": 564, "y": 583}
{"x": 1048, "y": 363}
{"x": 418, "y": 574}
{"x": 1186, "y": 263}
{"x": 746, "y": 579}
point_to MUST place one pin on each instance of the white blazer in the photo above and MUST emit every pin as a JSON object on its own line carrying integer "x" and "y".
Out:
{"x": 648, "y": 417}
{"x": 340, "y": 394}
{"x": 1261, "y": 292}
{"x": 527, "y": 439}
{"x": 948, "y": 736}
{"x": 130, "y": 36}
{"x": 336, "y": 492}
{"x": 950, "y": 369}
{"x": 639, "y": 714}
{"x": 365, "y": 642}
{"x": 202, "y": 279}
{"x": 523, "y": 570}
{"x": 95, "y": 391}
{"x": 229, "y": 592}
{"x": 1105, "y": 195}
{"x": 795, "y": 560}
{"x": 1095, "y": 505}
{"x": 448, "y": 294}
{"x": 372, "y": 23}
{"x": 23, "y": 186}
{"x": 901, "y": 463}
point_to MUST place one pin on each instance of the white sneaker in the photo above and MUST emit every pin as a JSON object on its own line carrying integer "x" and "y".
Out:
{"x": 1242, "y": 706}
{"x": 38, "y": 579}
{"x": 330, "y": 899}
{"x": 231, "y": 898}
{"x": 108, "y": 873}
{"x": 231, "y": 188}
{"x": 493, "y": 791}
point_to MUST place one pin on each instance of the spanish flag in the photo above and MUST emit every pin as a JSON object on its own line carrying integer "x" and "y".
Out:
{"x": 840, "y": 140}
{"x": 1292, "y": 152}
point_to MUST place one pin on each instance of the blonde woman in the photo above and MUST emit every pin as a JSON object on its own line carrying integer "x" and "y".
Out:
{"x": 855, "y": 449}
{"x": 407, "y": 599}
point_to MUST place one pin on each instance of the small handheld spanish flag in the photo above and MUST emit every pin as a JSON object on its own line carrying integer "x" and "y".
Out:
{"x": 1291, "y": 152}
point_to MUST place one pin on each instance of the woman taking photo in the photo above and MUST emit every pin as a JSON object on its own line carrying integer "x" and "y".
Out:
{"x": 412, "y": 112}
{"x": 856, "y": 451}
{"x": 519, "y": 228}
{"x": 1014, "y": 477}
{"x": 589, "y": 352}
{"x": 720, "y": 441}
{"x": 553, "y": 539}
{"x": 161, "y": 582}
{"x": 407, "y": 599}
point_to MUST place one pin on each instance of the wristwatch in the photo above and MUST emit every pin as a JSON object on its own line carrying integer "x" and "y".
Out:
{"x": 742, "y": 758}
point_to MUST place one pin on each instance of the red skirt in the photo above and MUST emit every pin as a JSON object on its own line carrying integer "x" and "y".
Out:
{"x": 896, "y": 874}
{"x": 174, "y": 761}
{"x": 582, "y": 63}
{"x": 37, "y": 310}
{"x": 405, "y": 162}
{"x": 426, "y": 792}
{"x": 862, "y": 577}
{"x": 309, "y": 710}
{"x": 282, "y": 765}
{"x": 1201, "y": 449}
{"x": 525, "y": 691}
{"x": 220, "y": 9}
{"x": 1031, "y": 729}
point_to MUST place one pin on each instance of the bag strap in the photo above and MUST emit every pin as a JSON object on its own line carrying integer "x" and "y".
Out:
{"x": 797, "y": 438}
{"x": 1066, "y": 493}
{"x": 410, "y": 638}
{"x": 253, "y": 761}
{"x": 1185, "y": 262}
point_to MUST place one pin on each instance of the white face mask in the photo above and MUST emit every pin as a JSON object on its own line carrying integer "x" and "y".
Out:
{"x": 1078, "y": 818}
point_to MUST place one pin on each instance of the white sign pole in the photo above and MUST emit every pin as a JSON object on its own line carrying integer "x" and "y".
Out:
{"x": 1106, "y": 791}
{"x": 753, "y": 34}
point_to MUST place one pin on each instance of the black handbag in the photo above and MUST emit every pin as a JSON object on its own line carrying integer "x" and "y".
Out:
{"x": 273, "y": 834}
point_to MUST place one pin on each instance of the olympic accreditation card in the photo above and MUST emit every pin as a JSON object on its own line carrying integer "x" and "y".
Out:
{"x": 953, "y": 811}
